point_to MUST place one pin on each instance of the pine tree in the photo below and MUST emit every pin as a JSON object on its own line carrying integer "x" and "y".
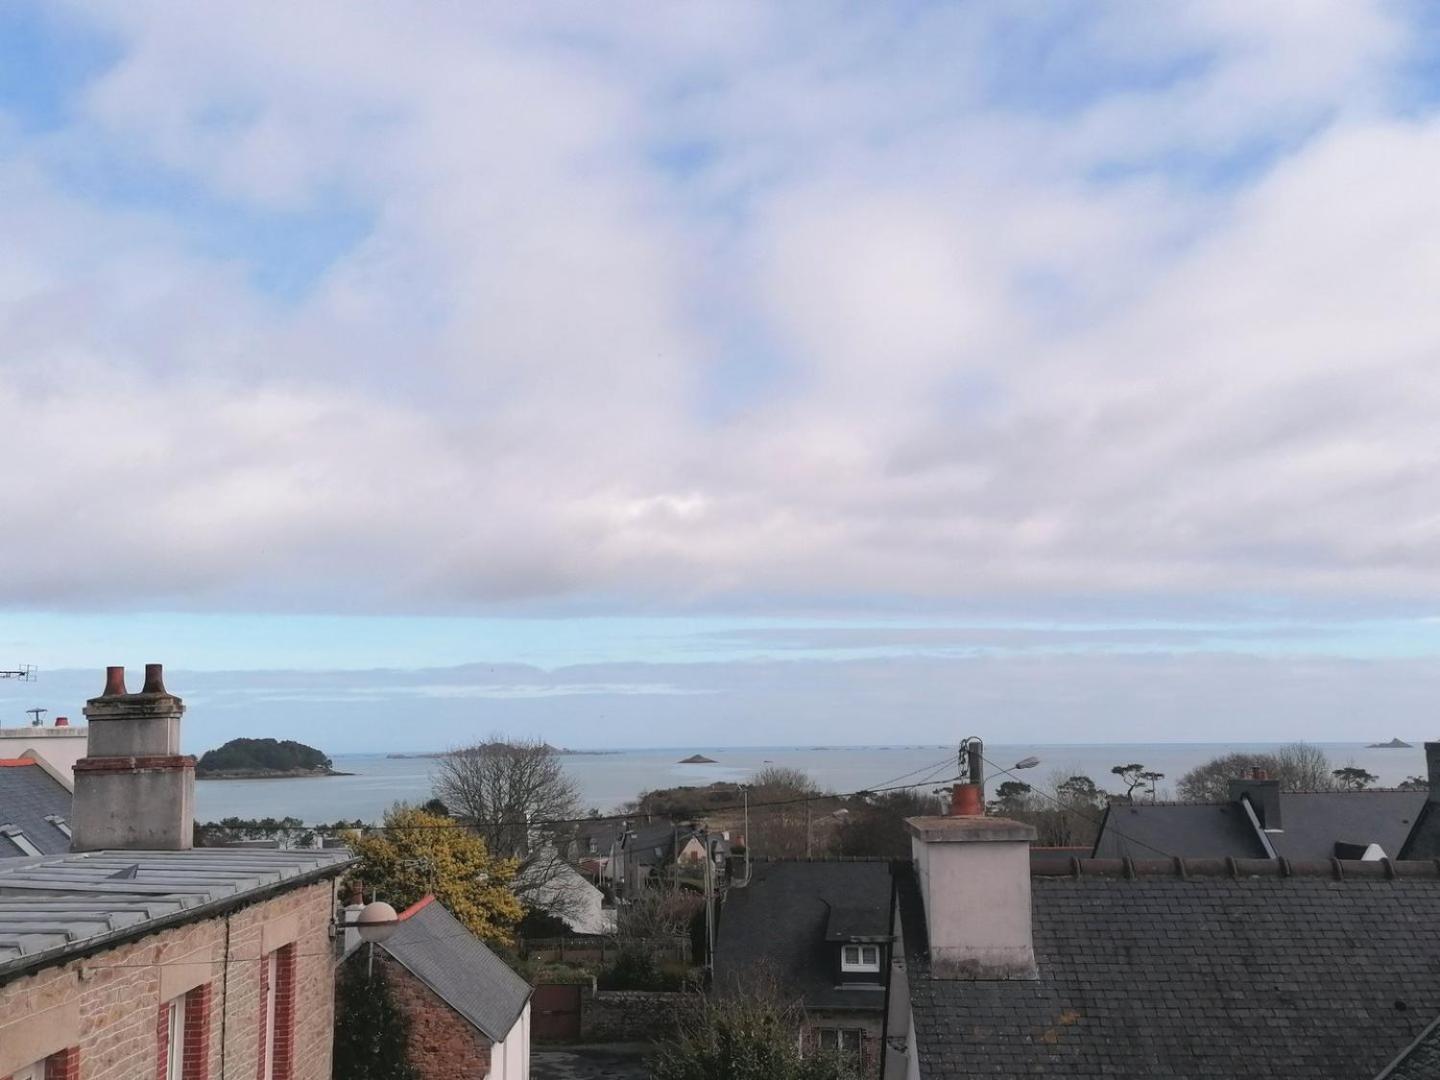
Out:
{"x": 372, "y": 1035}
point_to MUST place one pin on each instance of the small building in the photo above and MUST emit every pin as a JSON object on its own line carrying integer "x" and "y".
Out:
{"x": 61, "y": 744}
{"x": 133, "y": 957}
{"x": 34, "y": 807}
{"x": 469, "y": 1014}
{"x": 820, "y": 928}
{"x": 1259, "y": 821}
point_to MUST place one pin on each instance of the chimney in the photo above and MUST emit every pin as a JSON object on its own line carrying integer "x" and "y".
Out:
{"x": 1432, "y": 769}
{"x": 974, "y": 875}
{"x": 1263, "y": 795}
{"x": 134, "y": 790}
{"x": 62, "y": 721}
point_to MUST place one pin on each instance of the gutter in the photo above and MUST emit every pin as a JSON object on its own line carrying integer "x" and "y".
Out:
{"x": 62, "y": 954}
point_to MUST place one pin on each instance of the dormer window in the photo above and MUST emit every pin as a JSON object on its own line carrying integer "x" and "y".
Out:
{"x": 860, "y": 958}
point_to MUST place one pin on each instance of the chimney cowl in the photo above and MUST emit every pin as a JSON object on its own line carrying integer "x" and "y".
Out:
{"x": 114, "y": 682}
{"x": 154, "y": 679}
{"x": 966, "y": 800}
{"x": 62, "y": 721}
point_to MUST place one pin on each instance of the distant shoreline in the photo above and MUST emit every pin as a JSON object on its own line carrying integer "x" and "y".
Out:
{"x": 269, "y": 774}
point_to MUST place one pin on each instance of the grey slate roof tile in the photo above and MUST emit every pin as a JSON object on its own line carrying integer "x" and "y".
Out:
{"x": 28, "y": 796}
{"x": 438, "y": 950}
{"x": 1209, "y": 977}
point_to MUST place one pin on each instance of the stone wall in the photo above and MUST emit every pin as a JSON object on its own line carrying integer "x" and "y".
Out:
{"x": 629, "y": 1015}
{"x": 443, "y": 1044}
{"x": 100, "y": 1014}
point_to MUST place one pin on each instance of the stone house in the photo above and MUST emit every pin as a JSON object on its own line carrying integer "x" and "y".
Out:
{"x": 133, "y": 957}
{"x": 469, "y": 1013}
{"x": 820, "y": 930}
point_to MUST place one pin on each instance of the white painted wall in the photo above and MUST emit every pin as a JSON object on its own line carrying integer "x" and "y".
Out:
{"x": 60, "y": 747}
{"x": 510, "y": 1058}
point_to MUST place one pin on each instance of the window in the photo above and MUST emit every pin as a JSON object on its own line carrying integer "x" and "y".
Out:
{"x": 175, "y": 1039}
{"x": 860, "y": 958}
{"x": 278, "y": 1036}
{"x": 30, "y": 1072}
{"x": 59, "y": 823}
{"x": 272, "y": 970}
{"x": 843, "y": 1040}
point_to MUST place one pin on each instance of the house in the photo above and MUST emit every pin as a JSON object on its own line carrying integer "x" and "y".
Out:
{"x": 821, "y": 929}
{"x": 559, "y": 889}
{"x": 1157, "y": 967}
{"x": 1259, "y": 821}
{"x": 630, "y": 857}
{"x": 34, "y": 807}
{"x": 469, "y": 1014}
{"x": 61, "y": 744}
{"x": 133, "y": 957}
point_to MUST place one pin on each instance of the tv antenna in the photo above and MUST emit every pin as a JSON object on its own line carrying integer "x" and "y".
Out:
{"x": 25, "y": 673}
{"x": 37, "y": 713}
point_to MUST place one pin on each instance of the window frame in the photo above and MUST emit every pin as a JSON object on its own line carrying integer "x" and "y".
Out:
{"x": 175, "y": 1038}
{"x": 860, "y": 963}
{"x": 34, "y": 1071}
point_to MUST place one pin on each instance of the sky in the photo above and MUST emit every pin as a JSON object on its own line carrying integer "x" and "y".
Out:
{"x": 800, "y": 372}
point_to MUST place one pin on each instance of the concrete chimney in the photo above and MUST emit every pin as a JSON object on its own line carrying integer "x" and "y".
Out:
{"x": 134, "y": 790}
{"x": 1432, "y": 768}
{"x": 1264, "y": 796}
{"x": 974, "y": 875}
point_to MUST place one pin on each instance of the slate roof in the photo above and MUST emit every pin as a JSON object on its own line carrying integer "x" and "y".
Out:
{"x": 1421, "y": 1059}
{"x": 1155, "y": 830}
{"x": 1205, "y": 975}
{"x": 781, "y": 921}
{"x": 29, "y": 796}
{"x": 58, "y": 906}
{"x": 1314, "y": 822}
{"x": 438, "y": 950}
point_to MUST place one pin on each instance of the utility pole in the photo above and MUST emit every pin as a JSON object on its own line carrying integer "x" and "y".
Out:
{"x": 807, "y": 828}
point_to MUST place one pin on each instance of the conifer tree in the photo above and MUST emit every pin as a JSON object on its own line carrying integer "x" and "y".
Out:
{"x": 372, "y": 1035}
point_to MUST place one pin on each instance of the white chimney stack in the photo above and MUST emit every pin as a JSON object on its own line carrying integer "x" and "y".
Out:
{"x": 974, "y": 876}
{"x": 133, "y": 789}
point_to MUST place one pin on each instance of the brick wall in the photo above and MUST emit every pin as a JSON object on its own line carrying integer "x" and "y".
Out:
{"x": 443, "y": 1044}
{"x": 111, "y": 1001}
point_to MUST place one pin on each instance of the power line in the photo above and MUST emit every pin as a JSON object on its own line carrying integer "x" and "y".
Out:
{"x": 1076, "y": 810}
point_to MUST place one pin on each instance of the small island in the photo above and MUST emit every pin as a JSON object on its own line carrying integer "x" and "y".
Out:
{"x": 263, "y": 759}
{"x": 1393, "y": 744}
{"x": 697, "y": 759}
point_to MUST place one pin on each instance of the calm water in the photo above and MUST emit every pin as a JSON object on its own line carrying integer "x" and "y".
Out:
{"x": 606, "y": 780}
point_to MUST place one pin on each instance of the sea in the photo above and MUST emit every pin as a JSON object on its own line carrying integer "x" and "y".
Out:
{"x": 607, "y": 779}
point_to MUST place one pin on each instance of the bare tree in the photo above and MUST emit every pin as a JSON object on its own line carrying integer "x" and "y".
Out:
{"x": 516, "y": 794}
{"x": 1298, "y": 767}
{"x": 781, "y": 815}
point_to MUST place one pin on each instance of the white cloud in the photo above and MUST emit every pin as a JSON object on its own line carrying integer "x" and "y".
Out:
{"x": 962, "y": 355}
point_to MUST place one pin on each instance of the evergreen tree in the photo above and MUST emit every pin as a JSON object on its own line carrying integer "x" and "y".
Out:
{"x": 372, "y": 1035}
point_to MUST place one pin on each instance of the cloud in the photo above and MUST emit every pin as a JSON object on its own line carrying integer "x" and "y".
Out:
{"x": 727, "y": 306}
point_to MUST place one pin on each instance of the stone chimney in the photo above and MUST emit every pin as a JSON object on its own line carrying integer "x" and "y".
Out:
{"x": 134, "y": 790}
{"x": 1263, "y": 795}
{"x": 974, "y": 876}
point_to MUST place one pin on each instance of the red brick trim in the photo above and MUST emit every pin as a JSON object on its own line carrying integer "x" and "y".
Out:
{"x": 162, "y": 1040}
{"x": 63, "y": 1066}
{"x": 197, "y": 1033}
{"x": 161, "y": 762}
{"x": 264, "y": 1015}
{"x": 284, "y": 1042}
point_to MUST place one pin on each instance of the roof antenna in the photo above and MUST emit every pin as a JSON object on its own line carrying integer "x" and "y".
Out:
{"x": 37, "y": 714}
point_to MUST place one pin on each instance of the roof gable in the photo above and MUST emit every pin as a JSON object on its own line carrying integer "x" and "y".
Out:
{"x": 437, "y": 949}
